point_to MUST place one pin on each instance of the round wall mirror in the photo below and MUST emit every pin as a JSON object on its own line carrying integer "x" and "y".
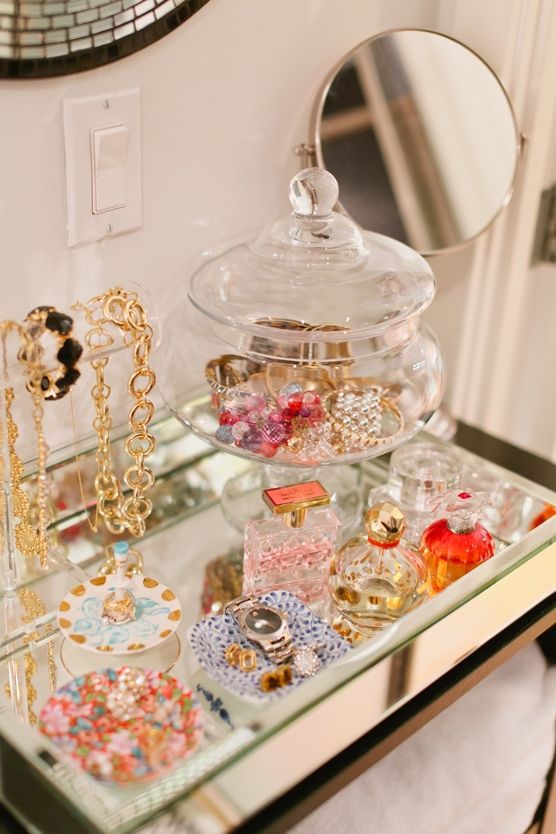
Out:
{"x": 40, "y": 38}
{"x": 421, "y": 136}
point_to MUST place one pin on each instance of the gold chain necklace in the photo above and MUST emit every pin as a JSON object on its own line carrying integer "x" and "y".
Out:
{"x": 33, "y": 607}
{"x": 32, "y": 355}
{"x": 124, "y": 310}
{"x": 27, "y": 537}
{"x": 29, "y": 540}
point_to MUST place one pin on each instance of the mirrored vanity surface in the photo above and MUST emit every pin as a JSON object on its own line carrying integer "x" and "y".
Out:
{"x": 253, "y": 751}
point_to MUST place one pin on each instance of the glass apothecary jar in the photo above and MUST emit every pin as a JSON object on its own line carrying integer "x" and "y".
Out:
{"x": 304, "y": 346}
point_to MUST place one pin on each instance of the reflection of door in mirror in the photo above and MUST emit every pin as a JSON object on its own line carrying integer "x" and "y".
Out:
{"x": 421, "y": 137}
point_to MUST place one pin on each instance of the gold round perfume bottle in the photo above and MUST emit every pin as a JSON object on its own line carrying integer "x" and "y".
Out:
{"x": 376, "y": 576}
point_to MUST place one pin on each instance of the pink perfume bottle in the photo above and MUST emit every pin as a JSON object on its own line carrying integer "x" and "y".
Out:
{"x": 292, "y": 550}
{"x": 457, "y": 543}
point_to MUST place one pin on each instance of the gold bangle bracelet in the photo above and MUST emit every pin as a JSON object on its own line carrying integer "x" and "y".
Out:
{"x": 356, "y": 418}
{"x": 392, "y": 392}
{"x": 221, "y": 374}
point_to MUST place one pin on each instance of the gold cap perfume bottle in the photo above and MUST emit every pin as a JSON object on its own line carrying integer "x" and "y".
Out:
{"x": 292, "y": 550}
{"x": 376, "y": 576}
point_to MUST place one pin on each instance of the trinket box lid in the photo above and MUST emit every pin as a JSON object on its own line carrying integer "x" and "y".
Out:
{"x": 313, "y": 267}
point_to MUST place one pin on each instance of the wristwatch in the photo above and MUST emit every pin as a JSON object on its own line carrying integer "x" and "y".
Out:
{"x": 263, "y": 625}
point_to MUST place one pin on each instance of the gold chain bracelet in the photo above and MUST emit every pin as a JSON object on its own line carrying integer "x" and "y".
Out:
{"x": 124, "y": 310}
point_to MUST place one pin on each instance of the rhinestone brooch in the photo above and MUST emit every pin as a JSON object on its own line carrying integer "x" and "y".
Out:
{"x": 306, "y": 662}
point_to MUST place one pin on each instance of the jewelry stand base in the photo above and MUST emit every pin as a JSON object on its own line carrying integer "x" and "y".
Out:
{"x": 242, "y": 502}
{"x": 161, "y": 658}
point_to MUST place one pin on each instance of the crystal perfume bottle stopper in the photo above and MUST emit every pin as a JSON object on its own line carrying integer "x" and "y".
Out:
{"x": 313, "y": 193}
{"x": 462, "y": 508}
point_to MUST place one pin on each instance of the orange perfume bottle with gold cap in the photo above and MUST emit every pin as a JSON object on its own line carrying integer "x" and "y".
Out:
{"x": 455, "y": 544}
{"x": 292, "y": 550}
{"x": 377, "y": 576}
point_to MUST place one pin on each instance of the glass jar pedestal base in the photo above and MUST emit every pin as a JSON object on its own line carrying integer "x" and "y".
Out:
{"x": 241, "y": 497}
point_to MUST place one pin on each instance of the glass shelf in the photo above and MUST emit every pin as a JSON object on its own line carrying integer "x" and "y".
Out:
{"x": 188, "y": 532}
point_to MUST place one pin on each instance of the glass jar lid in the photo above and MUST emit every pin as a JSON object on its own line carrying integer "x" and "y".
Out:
{"x": 420, "y": 472}
{"x": 314, "y": 275}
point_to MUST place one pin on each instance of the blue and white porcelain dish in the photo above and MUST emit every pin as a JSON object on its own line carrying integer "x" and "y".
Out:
{"x": 157, "y": 616}
{"x": 210, "y": 638}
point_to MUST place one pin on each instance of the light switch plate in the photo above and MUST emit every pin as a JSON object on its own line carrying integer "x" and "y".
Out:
{"x": 82, "y": 116}
{"x": 109, "y": 163}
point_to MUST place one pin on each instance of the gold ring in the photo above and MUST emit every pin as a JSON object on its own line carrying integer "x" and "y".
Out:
{"x": 248, "y": 660}
{"x": 310, "y": 377}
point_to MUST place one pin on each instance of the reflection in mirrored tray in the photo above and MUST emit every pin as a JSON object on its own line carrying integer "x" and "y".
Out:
{"x": 421, "y": 136}
{"x": 193, "y": 551}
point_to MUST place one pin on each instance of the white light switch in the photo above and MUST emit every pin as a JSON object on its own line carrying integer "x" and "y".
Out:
{"x": 108, "y": 162}
{"x": 103, "y": 165}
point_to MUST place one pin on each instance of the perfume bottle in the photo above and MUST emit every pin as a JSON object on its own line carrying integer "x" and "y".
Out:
{"x": 292, "y": 550}
{"x": 548, "y": 511}
{"x": 418, "y": 474}
{"x": 455, "y": 544}
{"x": 377, "y": 576}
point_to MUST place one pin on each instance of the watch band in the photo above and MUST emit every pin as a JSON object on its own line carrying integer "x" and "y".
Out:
{"x": 240, "y": 604}
{"x": 279, "y": 650}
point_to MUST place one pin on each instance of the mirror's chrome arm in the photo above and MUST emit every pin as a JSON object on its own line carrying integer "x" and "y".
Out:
{"x": 307, "y": 153}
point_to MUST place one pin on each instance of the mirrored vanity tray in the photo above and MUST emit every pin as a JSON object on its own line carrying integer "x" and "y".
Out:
{"x": 251, "y": 752}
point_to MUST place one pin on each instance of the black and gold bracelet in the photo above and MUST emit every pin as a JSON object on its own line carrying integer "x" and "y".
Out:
{"x": 45, "y": 318}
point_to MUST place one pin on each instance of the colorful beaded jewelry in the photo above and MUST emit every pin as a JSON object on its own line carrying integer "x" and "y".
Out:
{"x": 123, "y": 725}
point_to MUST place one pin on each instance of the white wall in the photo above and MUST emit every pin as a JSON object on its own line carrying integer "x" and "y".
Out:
{"x": 224, "y": 100}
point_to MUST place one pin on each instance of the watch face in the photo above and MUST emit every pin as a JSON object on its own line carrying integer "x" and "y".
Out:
{"x": 263, "y": 620}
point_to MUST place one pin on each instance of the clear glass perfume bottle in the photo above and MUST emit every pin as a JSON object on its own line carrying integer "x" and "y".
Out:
{"x": 455, "y": 544}
{"x": 292, "y": 551}
{"x": 418, "y": 474}
{"x": 377, "y": 576}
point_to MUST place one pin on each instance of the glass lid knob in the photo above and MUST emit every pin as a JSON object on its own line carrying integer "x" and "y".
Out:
{"x": 313, "y": 193}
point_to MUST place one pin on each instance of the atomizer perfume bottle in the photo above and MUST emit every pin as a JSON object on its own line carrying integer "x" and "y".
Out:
{"x": 377, "y": 576}
{"x": 455, "y": 544}
{"x": 418, "y": 474}
{"x": 292, "y": 551}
